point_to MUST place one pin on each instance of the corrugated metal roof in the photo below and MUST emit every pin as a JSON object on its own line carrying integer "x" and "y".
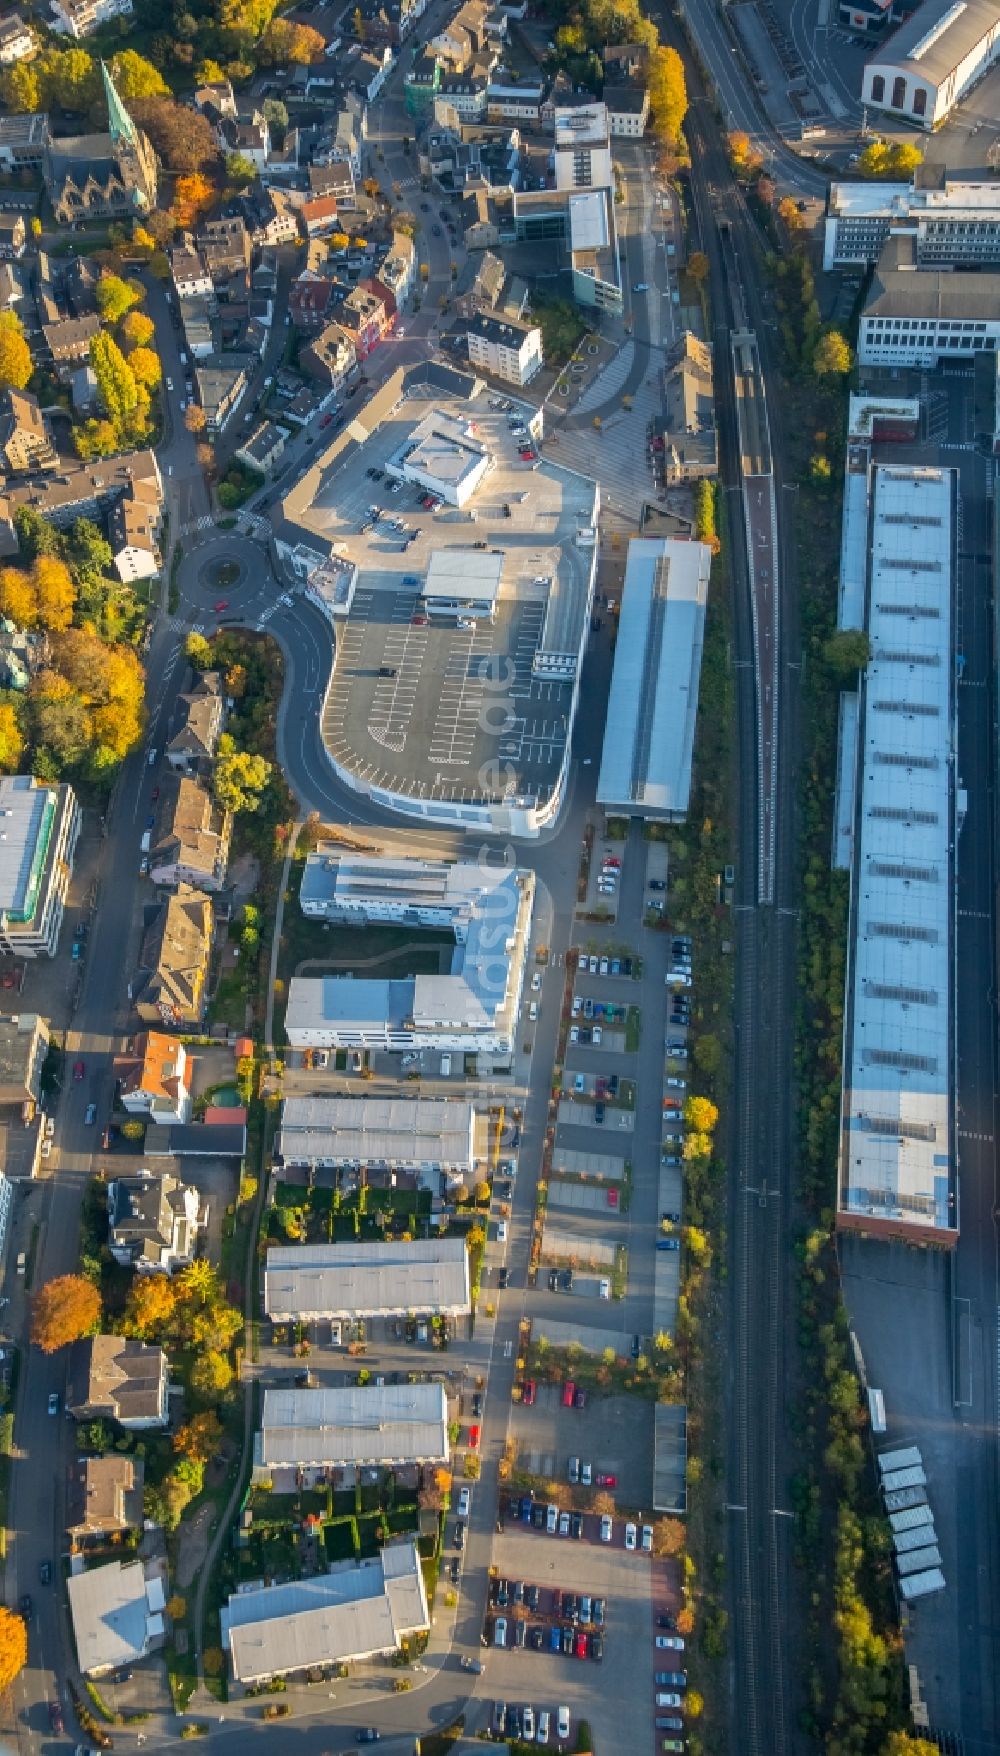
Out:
{"x": 362, "y": 1280}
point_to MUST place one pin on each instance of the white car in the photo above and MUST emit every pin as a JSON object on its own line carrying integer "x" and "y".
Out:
{"x": 593, "y": 966}
{"x": 598, "y": 1036}
{"x": 542, "y": 1735}
{"x": 670, "y": 1642}
{"x": 607, "y": 1528}
{"x": 562, "y": 1723}
{"x": 500, "y": 1631}
{"x": 528, "y": 1724}
{"x": 605, "y": 966}
{"x": 604, "y": 1292}
{"x": 464, "y": 1502}
{"x": 564, "y": 1524}
{"x": 647, "y": 1545}
{"x": 577, "y": 1005}
{"x": 667, "y": 1700}
{"x": 536, "y": 983}
{"x": 552, "y": 1520}
{"x": 502, "y": 1231}
{"x": 678, "y": 1084}
{"x": 631, "y": 1536}
{"x": 574, "y": 1033}
{"x": 586, "y": 1474}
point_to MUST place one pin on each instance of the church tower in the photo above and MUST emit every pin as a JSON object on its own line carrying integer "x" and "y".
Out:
{"x": 131, "y": 148}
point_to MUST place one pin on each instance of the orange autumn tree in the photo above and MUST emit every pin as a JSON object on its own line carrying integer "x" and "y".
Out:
{"x": 13, "y": 1647}
{"x": 64, "y": 1311}
{"x": 193, "y": 196}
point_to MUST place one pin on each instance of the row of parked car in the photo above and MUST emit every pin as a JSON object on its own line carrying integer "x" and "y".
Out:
{"x": 572, "y": 1642}
{"x": 518, "y": 1723}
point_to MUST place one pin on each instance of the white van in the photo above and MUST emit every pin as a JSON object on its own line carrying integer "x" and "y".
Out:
{"x": 445, "y": 1066}
{"x": 533, "y": 1012}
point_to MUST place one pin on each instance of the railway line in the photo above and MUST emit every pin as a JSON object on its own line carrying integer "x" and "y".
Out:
{"x": 762, "y": 1583}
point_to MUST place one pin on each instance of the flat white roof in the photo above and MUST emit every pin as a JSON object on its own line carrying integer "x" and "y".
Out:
{"x": 583, "y": 125}
{"x": 649, "y": 732}
{"x": 897, "y": 1145}
{"x": 357, "y": 1425}
{"x": 349, "y": 1613}
{"x": 902, "y": 200}
{"x": 364, "y": 1280}
{"x": 588, "y": 220}
{"x": 359, "y": 1131}
{"x": 443, "y": 446}
{"x": 464, "y": 574}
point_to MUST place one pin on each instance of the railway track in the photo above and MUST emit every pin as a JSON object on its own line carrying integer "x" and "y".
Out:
{"x": 761, "y": 1582}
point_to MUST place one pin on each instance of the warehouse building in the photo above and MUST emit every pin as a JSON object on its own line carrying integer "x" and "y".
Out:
{"x": 897, "y": 1152}
{"x": 933, "y": 60}
{"x": 303, "y": 1283}
{"x": 653, "y": 705}
{"x": 358, "y": 1610}
{"x": 422, "y": 1136}
{"x": 365, "y": 1426}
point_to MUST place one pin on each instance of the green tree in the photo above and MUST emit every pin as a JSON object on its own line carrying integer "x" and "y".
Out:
{"x": 115, "y": 296}
{"x": 15, "y": 354}
{"x": 35, "y": 536}
{"x": 20, "y": 89}
{"x": 135, "y": 77}
{"x": 847, "y": 652}
{"x": 833, "y": 357}
{"x": 211, "y": 1376}
{"x": 275, "y": 114}
{"x": 708, "y": 1054}
{"x": 240, "y": 779}
{"x": 239, "y": 170}
{"x": 198, "y": 652}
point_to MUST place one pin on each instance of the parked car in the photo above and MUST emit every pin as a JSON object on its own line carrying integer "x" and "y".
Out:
{"x": 673, "y": 1642}
{"x": 607, "y": 1528}
{"x": 631, "y": 1535}
{"x": 464, "y": 1502}
{"x": 53, "y": 1404}
{"x": 569, "y": 1391}
{"x": 500, "y": 1631}
{"x": 604, "y": 1480}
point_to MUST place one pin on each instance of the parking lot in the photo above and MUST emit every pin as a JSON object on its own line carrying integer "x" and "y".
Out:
{"x": 620, "y": 1719}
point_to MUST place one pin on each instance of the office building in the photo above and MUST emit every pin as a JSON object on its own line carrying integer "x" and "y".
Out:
{"x": 39, "y": 830}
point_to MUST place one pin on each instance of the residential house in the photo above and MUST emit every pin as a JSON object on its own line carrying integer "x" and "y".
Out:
{"x": 221, "y": 385}
{"x": 336, "y": 180}
{"x": 133, "y": 531}
{"x": 510, "y": 100}
{"x": 365, "y": 313}
{"x": 508, "y": 349}
{"x": 17, "y": 40}
{"x": 67, "y": 343}
{"x": 153, "y": 1222}
{"x": 489, "y": 274}
{"x": 104, "y": 1497}
{"x": 171, "y": 982}
{"x": 320, "y": 216}
{"x": 13, "y": 236}
{"x": 199, "y": 317}
{"x": 628, "y": 110}
{"x": 461, "y": 97}
{"x": 83, "y": 490}
{"x": 154, "y": 1077}
{"x": 310, "y": 298}
{"x": 249, "y": 136}
{"x": 261, "y": 451}
{"x": 330, "y": 357}
{"x": 24, "y": 1044}
{"x": 421, "y": 83}
{"x": 80, "y": 283}
{"x": 352, "y": 129}
{"x": 270, "y": 216}
{"x": 190, "y": 843}
{"x": 118, "y": 1614}
{"x": 78, "y": 18}
{"x": 370, "y": 70}
{"x": 23, "y": 652}
{"x": 113, "y": 1377}
{"x": 189, "y": 270}
{"x": 397, "y": 269}
{"x": 192, "y": 748}
{"x": 15, "y": 286}
{"x": 625, "y": 62}
{"x": 216, "y": 101}
{"x": 463, "y": 37}
{"x": 689, "y": 434}
{"x": 304, "y": 406}
{"x": 25, "y": 444}
{"x": 225, "y": 246}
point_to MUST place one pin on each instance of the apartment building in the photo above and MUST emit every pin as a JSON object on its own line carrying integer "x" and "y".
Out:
{"x": 506, "y": 348}
{"x": 39, "y": 830}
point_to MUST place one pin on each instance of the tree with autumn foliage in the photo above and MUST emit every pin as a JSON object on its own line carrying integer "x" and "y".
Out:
{"x": 64, "y": 1311}
{"x": 15, "y": 354}
{"x": 701, "y": 1113}
{"x": 200, "y": 1437}
{"x": 116, "y": 297}
{"x": 193, "y": 196}
{"x": 13, "y": 1646}
{"x": 55, "y": 593}
{"x": 146, "y": 367}
{"x": 194, "y": 418}
{"x": 287, "y": 44}
{"x": 12, "y": 737}
{"x": 137, "y": 331}
{"x": 668, "y": 1536}
{"x": 150, "y": 1307}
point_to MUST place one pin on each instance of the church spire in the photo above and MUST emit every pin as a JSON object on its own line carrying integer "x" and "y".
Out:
{"x": 120, "y": 124}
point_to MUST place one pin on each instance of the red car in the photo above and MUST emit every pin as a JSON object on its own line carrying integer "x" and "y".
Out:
{"x": 612, "y": 1198}
{"x": 325, "y": 422}
{"x": 473, "y": 1438}
{"x": 569, "y": 1391}
{"x": 527, "y": 456}
{"x": 78, "y": 1071}
{"x": 604, "y": 1481}
{"x": 223, "y": 604}
{"x": 529, "y": 1392}
{"x": 154, "y": 795}
{"x": 418, "y": 621}
{"x": 580, "y": 1644}
{"x": 612, "y": 860}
